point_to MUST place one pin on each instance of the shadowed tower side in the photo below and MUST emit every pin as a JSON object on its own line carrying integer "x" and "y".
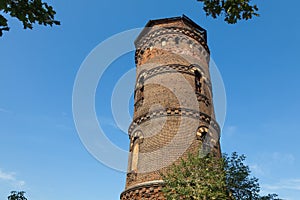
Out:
{"x": 173, "y": 107}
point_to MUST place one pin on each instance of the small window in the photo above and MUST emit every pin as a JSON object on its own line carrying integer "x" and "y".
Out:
{"x": 200, "y": 49}
{"x": 163, "y": 42}
{"x": 201, "y": 133}
{"x": 142, "y": 93}
{"x": 198, "y": 83}
{"x": 136, "y": 139}
{"x": 141, "y": 88}
{"x": 141, "y": 81}
{"x": 177, "y": 40}
{"x": 135, "y": 155}
{"x": 139, "y": 93}
{"x": 151, "y": 46}
{"x": 190, "y": 44}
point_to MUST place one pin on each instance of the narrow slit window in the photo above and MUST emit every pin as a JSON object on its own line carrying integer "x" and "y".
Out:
{"x": 150, "y": 46}
{"x": 136, "y": 140}
{"x": 135, "y": 156}
{"x": 139, "y": 93}
{"x": 177, "y": 40}
{"x": 141, "y": 90}
{"x": 198, "y": 83}
{"x": 190, "y": 44}
{"x": 163, "y": 42}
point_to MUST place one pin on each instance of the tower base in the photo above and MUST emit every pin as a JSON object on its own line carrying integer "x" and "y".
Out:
{"x": 145, "y": 191}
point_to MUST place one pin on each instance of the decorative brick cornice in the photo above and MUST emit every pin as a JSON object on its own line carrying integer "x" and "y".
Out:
{"x": 184, "y": 112}
{"x": 171, "y": 30}
{"x": 146, "y": 41}
{"x": 173, "y": 68}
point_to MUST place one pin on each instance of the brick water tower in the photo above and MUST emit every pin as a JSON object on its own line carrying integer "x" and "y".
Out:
{"x": 173, "y": 106}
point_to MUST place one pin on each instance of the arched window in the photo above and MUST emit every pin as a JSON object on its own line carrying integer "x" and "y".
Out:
{"x": 141, "y": 81}
{"x": 177, "y": 40}
{"x": 163, "y": 42}
{"x": 136, "y": 139}
{"x": 206, "y": 90}
{"x": 190, "y": 44}
{"x": 150, "y": 46}
{"x": 139, "y": 93}
{"x": 135, "y": 155}
{"x": 201, "y": 133}
{"x": 206, "y": 147}
{"x": 198, "y": 81}
{"x": 142, "y": 92}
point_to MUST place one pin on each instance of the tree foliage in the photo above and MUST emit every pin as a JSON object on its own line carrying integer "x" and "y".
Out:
{"x": 28, "y": 12}
{"x": 233, "y": 10}
{"x": 238, "y": 179}
{"x": 208, "y": 177}
{"x": 270, "y": 197}
{"x": 196, "y": 178}
{"x": 14, "y": 195}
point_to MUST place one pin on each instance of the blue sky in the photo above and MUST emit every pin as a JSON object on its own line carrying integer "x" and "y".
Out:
{"x": 41, "y": 151}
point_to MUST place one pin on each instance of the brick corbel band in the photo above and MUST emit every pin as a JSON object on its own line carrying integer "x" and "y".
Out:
{"x": 173, "y": 68}
{"x": 184, "y": 112}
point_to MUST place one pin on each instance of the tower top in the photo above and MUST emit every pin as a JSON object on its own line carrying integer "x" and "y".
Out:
{"x": 184, "y": 19}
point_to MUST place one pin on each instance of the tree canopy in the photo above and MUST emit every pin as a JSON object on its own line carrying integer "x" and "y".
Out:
{"x": 196, "y": 178}
{"x": 233, "y": 10}
{"x": 14, "y": 195}
{"x": 208, "y": 177}
{"x": 28, "y": 12}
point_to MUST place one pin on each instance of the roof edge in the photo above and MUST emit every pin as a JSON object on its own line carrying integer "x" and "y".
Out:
{"x": 184, "y": 18}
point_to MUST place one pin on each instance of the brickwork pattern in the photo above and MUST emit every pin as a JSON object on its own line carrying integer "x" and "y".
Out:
{"x": 172, "y": 89}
